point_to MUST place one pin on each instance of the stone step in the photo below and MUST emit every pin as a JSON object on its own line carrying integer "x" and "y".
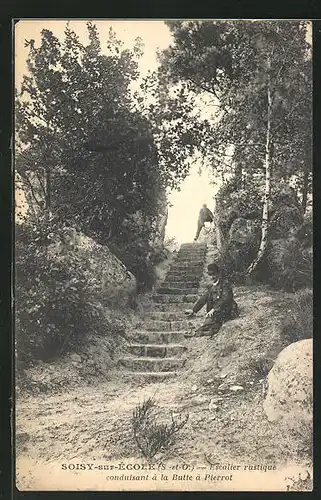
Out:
{"x": 156, "y": 350}
{"x": 188, "y": 267}
{"x": 189, "y": 261}
{"x": 166, "y": 325}
{"x": 177, "y": 291}
{"x": 186, "y": 259}
{"x": 190, "y": 252}
{"x": 180, "y": 284}
{"x": 194, "y": 248}
{"x": 168, "y": 307}
{"x": 168, "y": 298}
{"x": 185, "y": 273}
{"x": 186, "y": 264}
{"x": 148, "y": 376}
{"x": 161, "y": 337}
{"x": 184, "y": 276}
{"x": 192, "y": 261}
{"x": 151, "y": 364}
{"x": 163, "y": 316}
{"x": 193, "y": 244}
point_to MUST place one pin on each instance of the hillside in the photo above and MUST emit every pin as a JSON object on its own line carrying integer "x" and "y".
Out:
{"x": 86, "y": 412}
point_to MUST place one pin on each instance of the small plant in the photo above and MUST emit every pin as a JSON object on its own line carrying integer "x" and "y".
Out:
{"x": 290, "y": 264}
{"x": 260, "y": 367}
{"x": 303, "y": 433}
{"x": 298, "y": 324}
{"x": 299, "y": 484}
{"x": 151, "y": 436}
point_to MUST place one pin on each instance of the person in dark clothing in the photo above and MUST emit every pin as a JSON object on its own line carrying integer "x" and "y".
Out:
{"x": 205, "y": 215}
{"x": 220, "y": 304}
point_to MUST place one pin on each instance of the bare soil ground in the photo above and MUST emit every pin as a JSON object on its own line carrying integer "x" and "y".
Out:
{"x": 70, "y": 413}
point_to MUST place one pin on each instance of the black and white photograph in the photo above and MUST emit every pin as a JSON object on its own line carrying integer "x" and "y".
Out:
{"x": 163, "y": 255}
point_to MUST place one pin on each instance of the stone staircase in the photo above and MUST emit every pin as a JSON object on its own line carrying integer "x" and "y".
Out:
{"x": 159, "y": 351}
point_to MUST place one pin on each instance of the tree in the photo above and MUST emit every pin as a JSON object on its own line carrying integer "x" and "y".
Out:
{"x": 84, "y": 151}
{"x": 257, "y": 76}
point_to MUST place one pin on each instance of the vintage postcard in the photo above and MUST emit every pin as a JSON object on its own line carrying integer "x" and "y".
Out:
{"x": 163, "y": 255}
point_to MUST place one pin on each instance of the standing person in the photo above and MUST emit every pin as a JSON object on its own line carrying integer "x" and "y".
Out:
{"x": 205, "y": 215}
{"x": 220, "y": 304}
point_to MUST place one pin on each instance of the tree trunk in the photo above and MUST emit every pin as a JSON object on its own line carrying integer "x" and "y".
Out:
{"x": 305, "y": 187}
{"x": 267, "y": 193}
{"x": 219, "y": 235}
{"x": 48, "y": 190}
{"x": 161, "y": 228}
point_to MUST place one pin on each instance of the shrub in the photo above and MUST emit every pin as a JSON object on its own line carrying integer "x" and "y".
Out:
{"x": 58, "y": 297}
{"x": 289, "y": 264}
{"x": 260, "y": 367}
{"x": 298, "y": 323}
{"x": 233, "y": 201}
{"x": 151, "y": 436}
{"x": 236, "y": 257}
{"x": 285, "y": 220}
{"x": 132, "y": 245}
{"x": 285, "y": 211}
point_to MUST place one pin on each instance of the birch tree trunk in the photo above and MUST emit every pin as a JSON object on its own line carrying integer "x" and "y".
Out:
{"x": 219, "y": 236}
{"x": 267, "y": 192}
{"x": 305, "y": 190}
{"x": 48, "y": 190}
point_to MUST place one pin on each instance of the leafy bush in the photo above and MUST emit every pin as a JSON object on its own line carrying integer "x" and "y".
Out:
{"x": 285, "y": 220}
{"x": 285, "y": 211}
{"x": 233, "y": 202}
{"x": 289, "y": 264}
{"x": 58, "y": 294}
{"x": 98, "y": 173}
{"x": 134, "y": 246}
{"x": 151, "y": 436}
{"x": 298, "y": 323}
{"x": 236, "y": 258}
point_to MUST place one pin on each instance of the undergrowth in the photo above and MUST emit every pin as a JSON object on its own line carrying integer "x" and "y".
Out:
{"x": 153, "y": 436}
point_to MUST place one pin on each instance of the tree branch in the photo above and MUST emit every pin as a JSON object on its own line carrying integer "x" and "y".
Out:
{"x": 29, "y": 184}
{"x": 41, "y": 184}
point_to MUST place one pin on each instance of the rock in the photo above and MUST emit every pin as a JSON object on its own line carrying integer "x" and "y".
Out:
{"x": 200, "y": 399}
{"x": 216, "y": 399}
{"x": 212, "y": 406}
{"x": 75, "y": 357}
{"x": 194, "y": 388}
{"x": 210, "y": 381}
{"x": 290, "y": 385}
{"x": 236, "y": 388}
{"x": 223, "y": 375}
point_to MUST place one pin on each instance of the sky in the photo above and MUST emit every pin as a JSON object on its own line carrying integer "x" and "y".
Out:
{"x": 195, "y": 190}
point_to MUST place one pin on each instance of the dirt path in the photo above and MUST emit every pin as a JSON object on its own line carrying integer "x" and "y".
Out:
{"x": 93, "y": 423}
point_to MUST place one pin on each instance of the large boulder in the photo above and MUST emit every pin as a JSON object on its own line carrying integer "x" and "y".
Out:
{"x": 117, "y": 284}
{"x": 290, "y": 385}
